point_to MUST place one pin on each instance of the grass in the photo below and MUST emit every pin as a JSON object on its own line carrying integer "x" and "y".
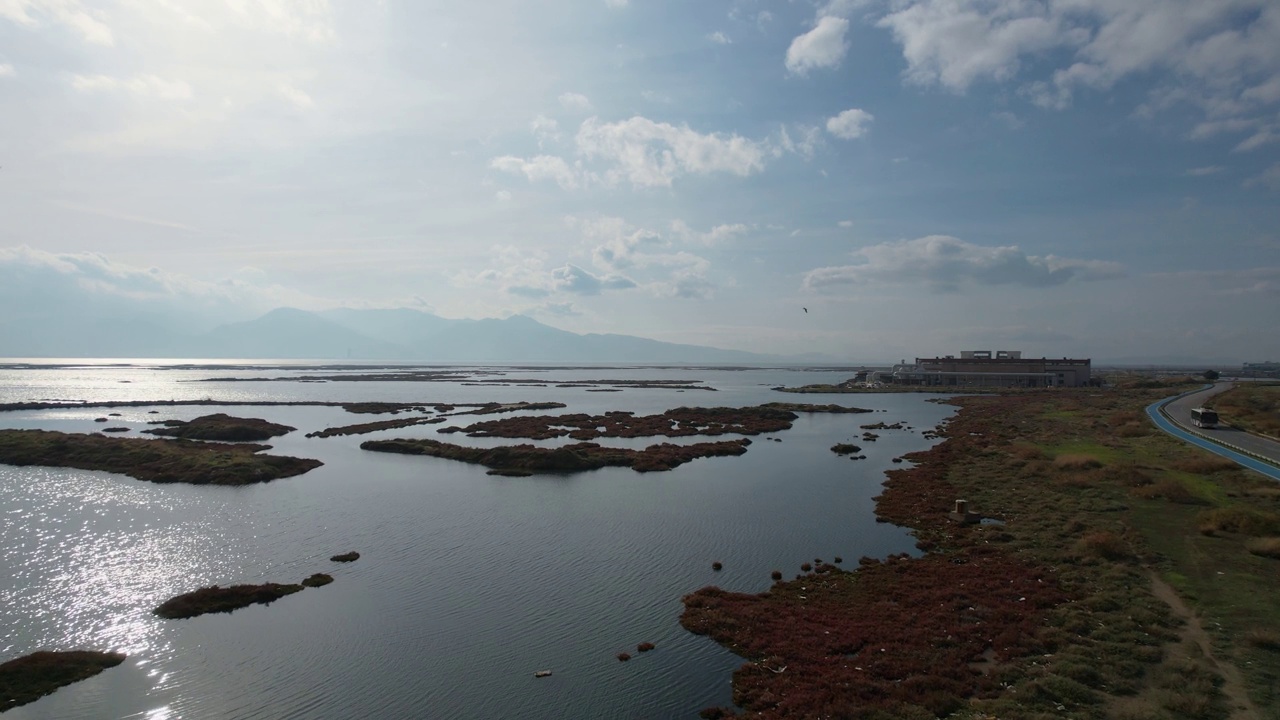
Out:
{"x": 219, "y": 599}
{"x": 1254, "y": 407}
{"x": 161, "y": 461}
{"x": 1095, "y": 526}
{"x": 31, "y": 677}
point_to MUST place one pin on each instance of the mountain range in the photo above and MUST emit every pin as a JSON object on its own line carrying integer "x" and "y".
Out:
{"x": 393, "y": 334}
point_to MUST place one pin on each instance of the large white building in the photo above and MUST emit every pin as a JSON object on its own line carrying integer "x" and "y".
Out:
{"x": 985, "y": 368}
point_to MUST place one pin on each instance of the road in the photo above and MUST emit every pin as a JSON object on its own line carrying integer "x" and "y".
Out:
{"x": 1180, "y": 411}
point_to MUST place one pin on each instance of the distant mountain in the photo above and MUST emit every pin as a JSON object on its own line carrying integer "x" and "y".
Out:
{"x": 292, "y": 333}
{"x": 386, "y": 335}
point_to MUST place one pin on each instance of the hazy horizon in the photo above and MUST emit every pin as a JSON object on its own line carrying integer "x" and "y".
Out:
{"x": 861, "y": 179}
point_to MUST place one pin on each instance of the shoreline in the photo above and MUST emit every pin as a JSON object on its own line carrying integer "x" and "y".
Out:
{"x": 1082, "y": 487}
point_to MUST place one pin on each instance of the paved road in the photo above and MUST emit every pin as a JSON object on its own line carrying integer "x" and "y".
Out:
{"x": 1180, "y": 411}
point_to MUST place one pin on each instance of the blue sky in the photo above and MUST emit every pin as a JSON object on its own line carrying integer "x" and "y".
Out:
{"x": 1067, "y": 177}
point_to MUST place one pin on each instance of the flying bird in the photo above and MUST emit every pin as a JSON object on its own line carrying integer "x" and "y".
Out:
{"x": 805, "y": 309}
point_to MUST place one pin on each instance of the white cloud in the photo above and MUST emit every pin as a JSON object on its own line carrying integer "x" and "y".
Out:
{"x": 652, "y": 154}
{"x": 955, "y": 43}
{"x": 1011, "y": 121}
{"x": 946, "y": 264}
{"x": 541, "y": 167}
{"x": 7, "y": 70}
{"x": 1264, "y": 136}
{"x": 719, "y": 38}
{"x": 139, "y": 85}
{"x": 810, "y": 137}
{"x": 1221, "y": 56}
{"x": 502, "y": 196}
{"x": 545, "y": 129}
{"x": 38, "y": 280}
{"x": 1203, "y": 171}
{"x": 1269, "y": 177}
{"x": 716, "y": 235}
{"x": 822, "y": 47}
{"x": 845, "y": 223}
{"x": 850, "y": 124}
{"x": 575, "y": 102}
{"x": 298, "y": 98}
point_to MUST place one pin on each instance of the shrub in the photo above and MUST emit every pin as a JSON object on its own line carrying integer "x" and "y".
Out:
{"x": 1170, "y": 490}
{"x": 1104, "y": 544}
{"x": 1263, "y": 639}
{"x": 645, "y": 647}
{"x": 623, "y": 657}
{"x": 1242, "y": 520}
{"x": 1073, "y": 461}
{"x": 806, "y": 567}
{"x": 776, "y": 575}
{"x": 717, "y": 566}
{"x": 1266, "y": 547}
{"x": 1206, "y": 465}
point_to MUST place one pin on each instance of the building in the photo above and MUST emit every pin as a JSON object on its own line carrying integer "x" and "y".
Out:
{"x": 1261, "y": 370}
{"x": 984, "y": 368}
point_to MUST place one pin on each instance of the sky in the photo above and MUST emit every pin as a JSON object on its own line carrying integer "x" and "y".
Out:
{"x": 870, "y": 179}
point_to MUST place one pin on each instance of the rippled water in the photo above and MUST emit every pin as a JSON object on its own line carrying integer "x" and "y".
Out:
{"x": 466, "y": 583}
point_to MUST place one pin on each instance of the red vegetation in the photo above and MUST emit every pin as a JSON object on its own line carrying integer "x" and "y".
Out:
{"x": 899, "y": 632}
{"x": 622, "y": 656}
{"x": 162, "y": 461}
{"x": 645, "y": 647}
{"x": 221, "y": 426}
{"x": 680, "y": 422}
{"x": 528, "y": 459}
{"x": 220, "y": 599}
{"x": 374, "y": 426}
{"x": 30, "y": 677}
{"x": 776, "y": 575}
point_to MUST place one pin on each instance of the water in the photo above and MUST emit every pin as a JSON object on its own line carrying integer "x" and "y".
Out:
{"x": 466, "y": 583}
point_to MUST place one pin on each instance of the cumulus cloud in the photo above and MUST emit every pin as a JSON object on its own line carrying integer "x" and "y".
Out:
{"x": 652, "y": 154}
{"x": 575, "y": 280}
{"x": 822, "y": 47}
{"x": 805, "y": 144}
{"x": 541, "y": 167}
{"x": 716, "y": 235}
{"x": 91, "y": 283}
{"x": 575, "y": 102}
{"x": 139, "y": 85}
{"x": 643, "y": 153}
{"x": 545, "y": 129}
{"x": 720, "y": 38}
{"x": 1221, "y": 56}
{"x": 955, "y": 43}
{"x": 946, "y": 264}
{"x": 651, "y": 258}
{"x": 850, "y": 124}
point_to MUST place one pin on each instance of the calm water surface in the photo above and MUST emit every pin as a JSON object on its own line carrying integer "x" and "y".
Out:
{"x": 466, "y": 583}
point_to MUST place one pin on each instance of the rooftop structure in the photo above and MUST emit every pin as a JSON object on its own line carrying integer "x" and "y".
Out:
{"x": 985, "y": 368}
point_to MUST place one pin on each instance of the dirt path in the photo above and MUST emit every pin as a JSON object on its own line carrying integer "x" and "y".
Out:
{"x": 1242, "y": 708}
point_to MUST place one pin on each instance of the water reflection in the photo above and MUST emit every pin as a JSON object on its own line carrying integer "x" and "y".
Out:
{"x": 466, "y": 583}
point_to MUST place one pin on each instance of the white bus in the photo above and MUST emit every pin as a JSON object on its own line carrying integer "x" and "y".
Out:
{"x": 1204, "y": 417}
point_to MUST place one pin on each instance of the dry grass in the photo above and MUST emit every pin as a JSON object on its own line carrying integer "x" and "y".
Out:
{"x": 1263, "y": 639}
{"x": 1240, "y": 520}
{"x": 1103, "y": 544}
{"x": 1168, "y": 489}
{"x": 1265, "y": 547}
{"x": 1206, "y": 465}
{"x": 1076, "y": 461}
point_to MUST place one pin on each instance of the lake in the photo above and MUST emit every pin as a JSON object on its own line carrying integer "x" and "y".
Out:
{"x": 467, "y": 583}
